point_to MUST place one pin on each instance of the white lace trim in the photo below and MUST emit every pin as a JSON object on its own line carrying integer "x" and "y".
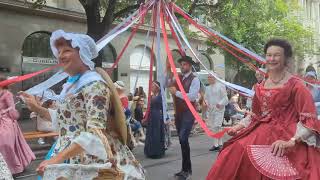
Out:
{"x": 74, "y": 171}
{"x": 87, "y": 47}
{"x": 53, "y": 114}
{"x": 91, "y": 144}
{"x": 5, "y": 173}
{"x": 307, "y": 136}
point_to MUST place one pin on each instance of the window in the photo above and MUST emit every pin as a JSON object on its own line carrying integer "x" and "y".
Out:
{"x": 139, "y": 68}
{"x": 37, "y": 55}
{"x": 206, "y": 60}
{"x": 37, "y": 45}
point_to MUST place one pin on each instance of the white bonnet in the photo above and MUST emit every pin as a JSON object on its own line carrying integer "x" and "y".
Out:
{"x": 87, "y": 47}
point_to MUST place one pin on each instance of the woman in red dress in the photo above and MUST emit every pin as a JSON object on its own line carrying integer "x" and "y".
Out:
{"x": 283, "y": 116}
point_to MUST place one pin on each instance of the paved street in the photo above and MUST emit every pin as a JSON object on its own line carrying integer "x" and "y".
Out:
{"x": 163, "y": 169}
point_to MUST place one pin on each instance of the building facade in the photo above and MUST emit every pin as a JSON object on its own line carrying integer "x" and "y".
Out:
{"x": 24, "y": 43}
{"x": 310, "y": 17}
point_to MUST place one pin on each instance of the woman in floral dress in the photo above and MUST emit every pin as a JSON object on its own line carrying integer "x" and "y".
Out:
{"x": 89, "y": 138}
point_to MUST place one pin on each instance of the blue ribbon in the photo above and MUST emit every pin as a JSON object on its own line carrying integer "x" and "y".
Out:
{"x": 160, "y": 70}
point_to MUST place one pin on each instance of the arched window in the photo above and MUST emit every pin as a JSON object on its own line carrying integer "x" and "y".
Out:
{"x": 37, "y": 55}
{"x": 205, "y": 58}
{"x": 109, "y": 57}
{"x": 139, "y": 68}
{"x": 37, "y": 45}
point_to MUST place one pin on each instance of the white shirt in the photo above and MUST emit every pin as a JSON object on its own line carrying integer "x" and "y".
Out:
{"x": 216, "y": 94}
{"x": 194, "y": 88}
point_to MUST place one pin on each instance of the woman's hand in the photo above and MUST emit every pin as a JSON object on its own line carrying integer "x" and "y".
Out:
{"x": 41, "y": 168}
{"x": 30, "y": 100}
{"x": 172, "y": 90}
{"x": 280, "y": 147}
{"x": 219, "y": 106}
{"x": 232, "y": 131}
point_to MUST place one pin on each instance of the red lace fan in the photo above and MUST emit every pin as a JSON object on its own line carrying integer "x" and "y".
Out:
{"x": 274, "y": 167}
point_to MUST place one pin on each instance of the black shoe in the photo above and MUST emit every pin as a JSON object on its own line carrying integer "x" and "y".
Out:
{"x": 179, "y": 173}
{"x": 214, "y": 148}
{"x": 186, "y": 175}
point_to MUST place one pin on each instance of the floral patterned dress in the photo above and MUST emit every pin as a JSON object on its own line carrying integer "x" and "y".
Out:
{"x": 83, "y": 118}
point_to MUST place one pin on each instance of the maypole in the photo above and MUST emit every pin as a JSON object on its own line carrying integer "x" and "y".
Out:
{"x": 184, "y": 94}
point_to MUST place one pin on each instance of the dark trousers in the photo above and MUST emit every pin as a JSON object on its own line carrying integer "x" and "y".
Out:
{"x": 184, "y": 122}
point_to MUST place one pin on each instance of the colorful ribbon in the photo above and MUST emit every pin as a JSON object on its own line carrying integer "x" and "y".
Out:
{"x": 173, "y": 67}
{"x": 141, "y": 59}
{"x": 160, "y": 71}
{"x": 146, "y": 116}
{"x": 100, "y": 44}
{"x": 109, "y": 37}
{"x": 26, "y": 76}
{"x": 127, "y": 43}
{"x": 222, "y": 38}
{"x": 232, "y": 86}
{"x": 221, "y": 43}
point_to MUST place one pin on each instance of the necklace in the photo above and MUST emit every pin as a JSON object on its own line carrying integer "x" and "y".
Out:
{"x": 278, "y": 81}
{"x": 73, "y": 80}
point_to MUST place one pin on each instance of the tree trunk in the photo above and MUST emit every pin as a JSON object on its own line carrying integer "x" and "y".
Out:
{"x": 96, "y": 28}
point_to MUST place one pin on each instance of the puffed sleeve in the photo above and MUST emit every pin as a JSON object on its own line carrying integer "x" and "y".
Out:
{"x": 13, "y": 113}
{"x": 93, "y": 140}
{"x": 308, "y": 127}
{"x": 53, "y": 115}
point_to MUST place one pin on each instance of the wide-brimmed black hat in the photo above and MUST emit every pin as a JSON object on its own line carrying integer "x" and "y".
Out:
{"x": 186, "y": 59}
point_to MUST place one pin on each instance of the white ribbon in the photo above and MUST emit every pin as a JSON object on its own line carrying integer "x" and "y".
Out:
{"x": 109, "y": 37}
{"x": 40, "y": 88}
{"x": 143, "y": 53}
{"x": 246, "y": 91}
{"x": 59, "y": 76}
{"x": 160, "y": 70}
{"x": 261, "y": 59}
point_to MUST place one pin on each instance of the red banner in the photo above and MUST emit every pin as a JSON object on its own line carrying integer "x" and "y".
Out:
{"x": 146, "y": 116}
{"x": 134, "y": 30}
{"x": 25, "y": 77}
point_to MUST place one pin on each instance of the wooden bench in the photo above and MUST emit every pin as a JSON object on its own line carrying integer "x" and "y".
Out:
{"x": 39, "y": 134}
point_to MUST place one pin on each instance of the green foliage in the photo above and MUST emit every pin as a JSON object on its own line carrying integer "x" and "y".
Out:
{"x": 252, "y": 22}
{"x": 248, "y": 22}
